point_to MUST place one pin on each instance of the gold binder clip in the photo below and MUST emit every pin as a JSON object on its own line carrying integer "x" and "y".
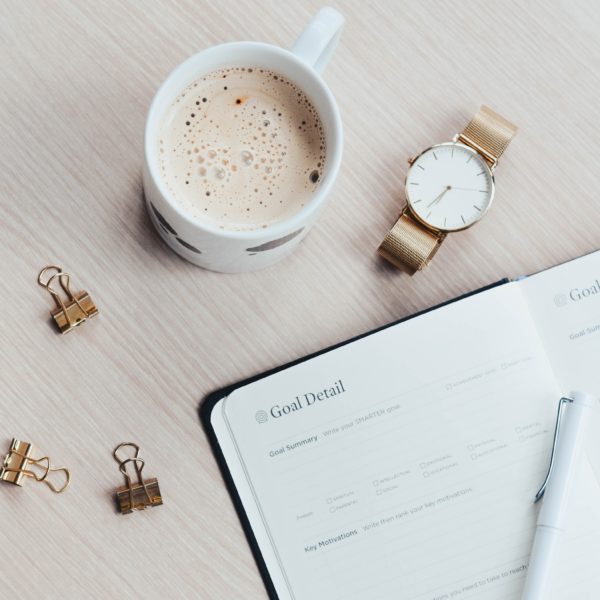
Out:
{"x": 140, "y": 495}
{"x": 74, "y": 309}
{"x": 18, "y": 464}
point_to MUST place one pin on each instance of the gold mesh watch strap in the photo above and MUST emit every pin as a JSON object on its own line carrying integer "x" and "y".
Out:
{"x": 488, "y": 133}
{"x": 409, "y": 244}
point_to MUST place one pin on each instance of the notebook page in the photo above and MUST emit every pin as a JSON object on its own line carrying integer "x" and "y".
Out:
{"x": 236, "y": 470}
{"x": 565, "y": 304}
{"x": 403, "y": 465}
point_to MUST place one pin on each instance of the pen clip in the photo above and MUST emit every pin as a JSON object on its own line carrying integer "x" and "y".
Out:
{"x": 561, "y": 405}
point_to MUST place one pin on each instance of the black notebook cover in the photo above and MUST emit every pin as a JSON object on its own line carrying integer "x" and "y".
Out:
{"x": 207, "y": 405}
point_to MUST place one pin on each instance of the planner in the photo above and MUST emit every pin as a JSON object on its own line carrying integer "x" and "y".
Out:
{"x": 403, "y": 464}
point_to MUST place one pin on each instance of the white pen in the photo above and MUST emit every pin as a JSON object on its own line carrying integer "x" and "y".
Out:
{"x": 569, "y": 437}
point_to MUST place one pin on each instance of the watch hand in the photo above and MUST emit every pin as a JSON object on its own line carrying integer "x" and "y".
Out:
{"x": 466, "y": 189}
{"x": 438, "y": 198}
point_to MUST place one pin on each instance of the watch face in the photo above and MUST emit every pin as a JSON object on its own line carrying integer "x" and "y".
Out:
{"x": 449, "y": 187}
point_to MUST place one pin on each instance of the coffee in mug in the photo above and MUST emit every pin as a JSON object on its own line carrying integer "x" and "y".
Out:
{"x": 243, "y": 143}
{"x": 242, "y": 148}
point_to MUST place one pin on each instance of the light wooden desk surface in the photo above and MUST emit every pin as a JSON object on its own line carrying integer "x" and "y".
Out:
{"x": 77, "y": 79}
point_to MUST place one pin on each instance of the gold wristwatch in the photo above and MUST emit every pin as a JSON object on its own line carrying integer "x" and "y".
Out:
{"x": 448, "y": 187}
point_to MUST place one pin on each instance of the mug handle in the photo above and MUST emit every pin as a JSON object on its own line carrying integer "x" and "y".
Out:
{"x": 318, "y": 41}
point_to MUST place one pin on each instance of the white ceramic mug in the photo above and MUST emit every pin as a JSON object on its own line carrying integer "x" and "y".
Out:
{"x": 237, "y": 251}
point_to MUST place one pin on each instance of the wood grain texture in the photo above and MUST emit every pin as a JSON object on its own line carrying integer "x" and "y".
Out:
{"x": 77, "y": 79}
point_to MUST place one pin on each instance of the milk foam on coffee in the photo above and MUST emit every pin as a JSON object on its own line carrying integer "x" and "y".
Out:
{"x": 242, "y": 148}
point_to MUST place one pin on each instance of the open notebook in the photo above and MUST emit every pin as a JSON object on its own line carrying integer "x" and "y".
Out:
{"x": 403, "y": 465}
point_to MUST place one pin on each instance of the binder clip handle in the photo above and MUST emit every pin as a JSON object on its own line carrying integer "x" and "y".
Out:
{"x": 47, "y": 468}
{"x": 138, "y": 465}
{"x": 45, "y": 270}
{"x": 64, "y": 280}
{"x": 125, "y": 445}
